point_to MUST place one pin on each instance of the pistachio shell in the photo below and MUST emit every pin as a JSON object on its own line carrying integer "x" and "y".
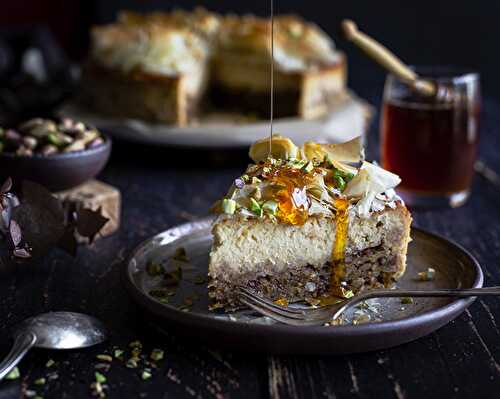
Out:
{"x": 282, "y": 148}
{"x": 77, "y": 145}
{"x": 42, "y": 129}
{"x": 30, "y": 124}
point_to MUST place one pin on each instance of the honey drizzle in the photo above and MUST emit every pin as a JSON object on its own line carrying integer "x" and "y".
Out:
{"x": 337, "y": 275}
{"x": 272, "y": 82}
{"x": 292, "y": 185}
{"x": 338, "y": 255}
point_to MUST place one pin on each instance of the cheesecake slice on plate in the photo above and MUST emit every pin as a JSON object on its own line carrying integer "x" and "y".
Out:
{"x": 308, "y": 224}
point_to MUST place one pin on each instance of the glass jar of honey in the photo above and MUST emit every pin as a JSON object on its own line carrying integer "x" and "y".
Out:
{"x": 430, "y": 142}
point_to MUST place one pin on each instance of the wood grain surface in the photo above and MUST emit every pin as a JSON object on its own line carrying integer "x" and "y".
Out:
{"x": 167, "y": 187}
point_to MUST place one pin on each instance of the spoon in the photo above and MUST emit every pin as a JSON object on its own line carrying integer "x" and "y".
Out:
{"x": 54, "y": 330}
{"x": 389, "y": 61}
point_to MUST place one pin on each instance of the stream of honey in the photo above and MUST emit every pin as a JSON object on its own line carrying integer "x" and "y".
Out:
{"x": 293, "y": 205}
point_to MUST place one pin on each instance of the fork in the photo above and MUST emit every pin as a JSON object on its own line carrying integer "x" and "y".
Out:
{"x": 330, "y": 313}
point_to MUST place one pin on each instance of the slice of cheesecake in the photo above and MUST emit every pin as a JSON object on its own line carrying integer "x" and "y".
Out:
{"x": 309, "y": 74}
{"x": 153, "y": 68}
{"x": 306, "y": 225}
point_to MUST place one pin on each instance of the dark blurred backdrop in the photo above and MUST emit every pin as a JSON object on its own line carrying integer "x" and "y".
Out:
{"x": 455, "y": 32}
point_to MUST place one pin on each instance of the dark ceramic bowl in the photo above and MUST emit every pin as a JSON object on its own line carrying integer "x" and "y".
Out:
{"x": 56, "y": 172}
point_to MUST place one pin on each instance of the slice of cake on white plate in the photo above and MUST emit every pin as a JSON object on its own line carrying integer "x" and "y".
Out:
{"x": 304, "y": 224}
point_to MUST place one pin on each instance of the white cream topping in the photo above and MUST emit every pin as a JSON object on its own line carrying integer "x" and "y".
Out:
{"x": 368, "y": 186}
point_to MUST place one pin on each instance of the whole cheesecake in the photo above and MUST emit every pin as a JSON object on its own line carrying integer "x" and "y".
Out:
{"x": 304, "y": 224}
{"x": 168, "y": 67}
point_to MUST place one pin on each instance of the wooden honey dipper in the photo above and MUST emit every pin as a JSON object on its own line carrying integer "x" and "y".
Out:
{"x": 389, "y": 61}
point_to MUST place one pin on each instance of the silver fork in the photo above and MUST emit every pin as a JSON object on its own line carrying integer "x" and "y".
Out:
{"x": 329, "y": 313}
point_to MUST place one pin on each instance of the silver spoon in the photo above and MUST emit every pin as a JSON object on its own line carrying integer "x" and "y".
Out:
{"x": 54, "y": 330}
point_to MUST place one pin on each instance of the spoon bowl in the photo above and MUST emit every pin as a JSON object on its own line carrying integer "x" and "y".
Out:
{"x": 54, "y": 330}
{"x": 63, "y": 330}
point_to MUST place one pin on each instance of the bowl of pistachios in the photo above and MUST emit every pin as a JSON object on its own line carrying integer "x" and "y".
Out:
{"x": 58, "y": 153}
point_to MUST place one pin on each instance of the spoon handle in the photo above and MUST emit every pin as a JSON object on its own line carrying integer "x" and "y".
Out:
{"x": 22, "y": 344}
{"x": 385, "y": 58}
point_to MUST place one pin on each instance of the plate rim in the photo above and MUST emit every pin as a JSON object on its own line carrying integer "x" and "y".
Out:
{"x": 170, "y": 314}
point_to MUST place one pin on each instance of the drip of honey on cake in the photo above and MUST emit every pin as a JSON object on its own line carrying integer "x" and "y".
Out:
{"x": 338, "y": 255}
{"x": 291, "y": 196}
{"x": 335, "y": 290}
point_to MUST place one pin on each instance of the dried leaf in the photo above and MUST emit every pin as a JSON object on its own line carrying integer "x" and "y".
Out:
{"x": 90, "y": 222}
{"x": 41, "y": 218}
{"x": 15, "y": 233}
{"x": 21, "y": 253}
{"x": 6, "y": 186}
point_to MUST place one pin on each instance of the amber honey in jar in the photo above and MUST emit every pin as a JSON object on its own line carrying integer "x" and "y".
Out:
{"x": 432, "y": 143}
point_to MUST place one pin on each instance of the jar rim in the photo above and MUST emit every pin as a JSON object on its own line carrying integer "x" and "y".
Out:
{"x": 445, "y": 74}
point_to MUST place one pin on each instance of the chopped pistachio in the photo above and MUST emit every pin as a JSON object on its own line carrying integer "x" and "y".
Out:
{"x": 131, "y": 363}
{"x": 50, "y": 363}
{"x": 118, "y": 353}
{"x": 174, "y": 277}
{"x": 296, "y": 163}
{"x": 135, "y": 344}
{"x": 180, "y": 254}
{"x": 348, "y": 294}
{"x": 136, "y": 352}
{"x": 52, "y": 376}
{"x": 255, "y": 207}
{"x": 100, "y": 378}
{"x": 245, "y": 178}
{"x": 40, "y": 381}
{"x": 97, "y": 389}
{"x": 102, "y": 366}
{"x": 228, "y": 206}
{"x": 55, "y": 139}
{"x": 157, "y": 354}
{"x": 270, "y": 206}
{"x": 154, "y": 269}
{"x": 105, "y": 358}
{"x": 428, "y": 275}
{"x": 146, "y": 375}
{"x": 308, "y": 167}
{"x": 159, "y": 293}
{"x": 406, "y": 300}
{"x": 14, "y": 374}
{"x": 339, "y": 181}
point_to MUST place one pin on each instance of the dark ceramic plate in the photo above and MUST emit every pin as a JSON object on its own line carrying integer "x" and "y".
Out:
{"x": 391, "y": 323}
{"x": 56, "y": 172}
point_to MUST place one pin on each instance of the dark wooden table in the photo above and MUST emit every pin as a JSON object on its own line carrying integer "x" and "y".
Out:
{"x": 167, "y": 187}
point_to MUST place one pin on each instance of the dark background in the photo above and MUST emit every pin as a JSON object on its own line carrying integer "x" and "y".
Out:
{"x": 453, "y": 32}
{"x": 161, "y": 190}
